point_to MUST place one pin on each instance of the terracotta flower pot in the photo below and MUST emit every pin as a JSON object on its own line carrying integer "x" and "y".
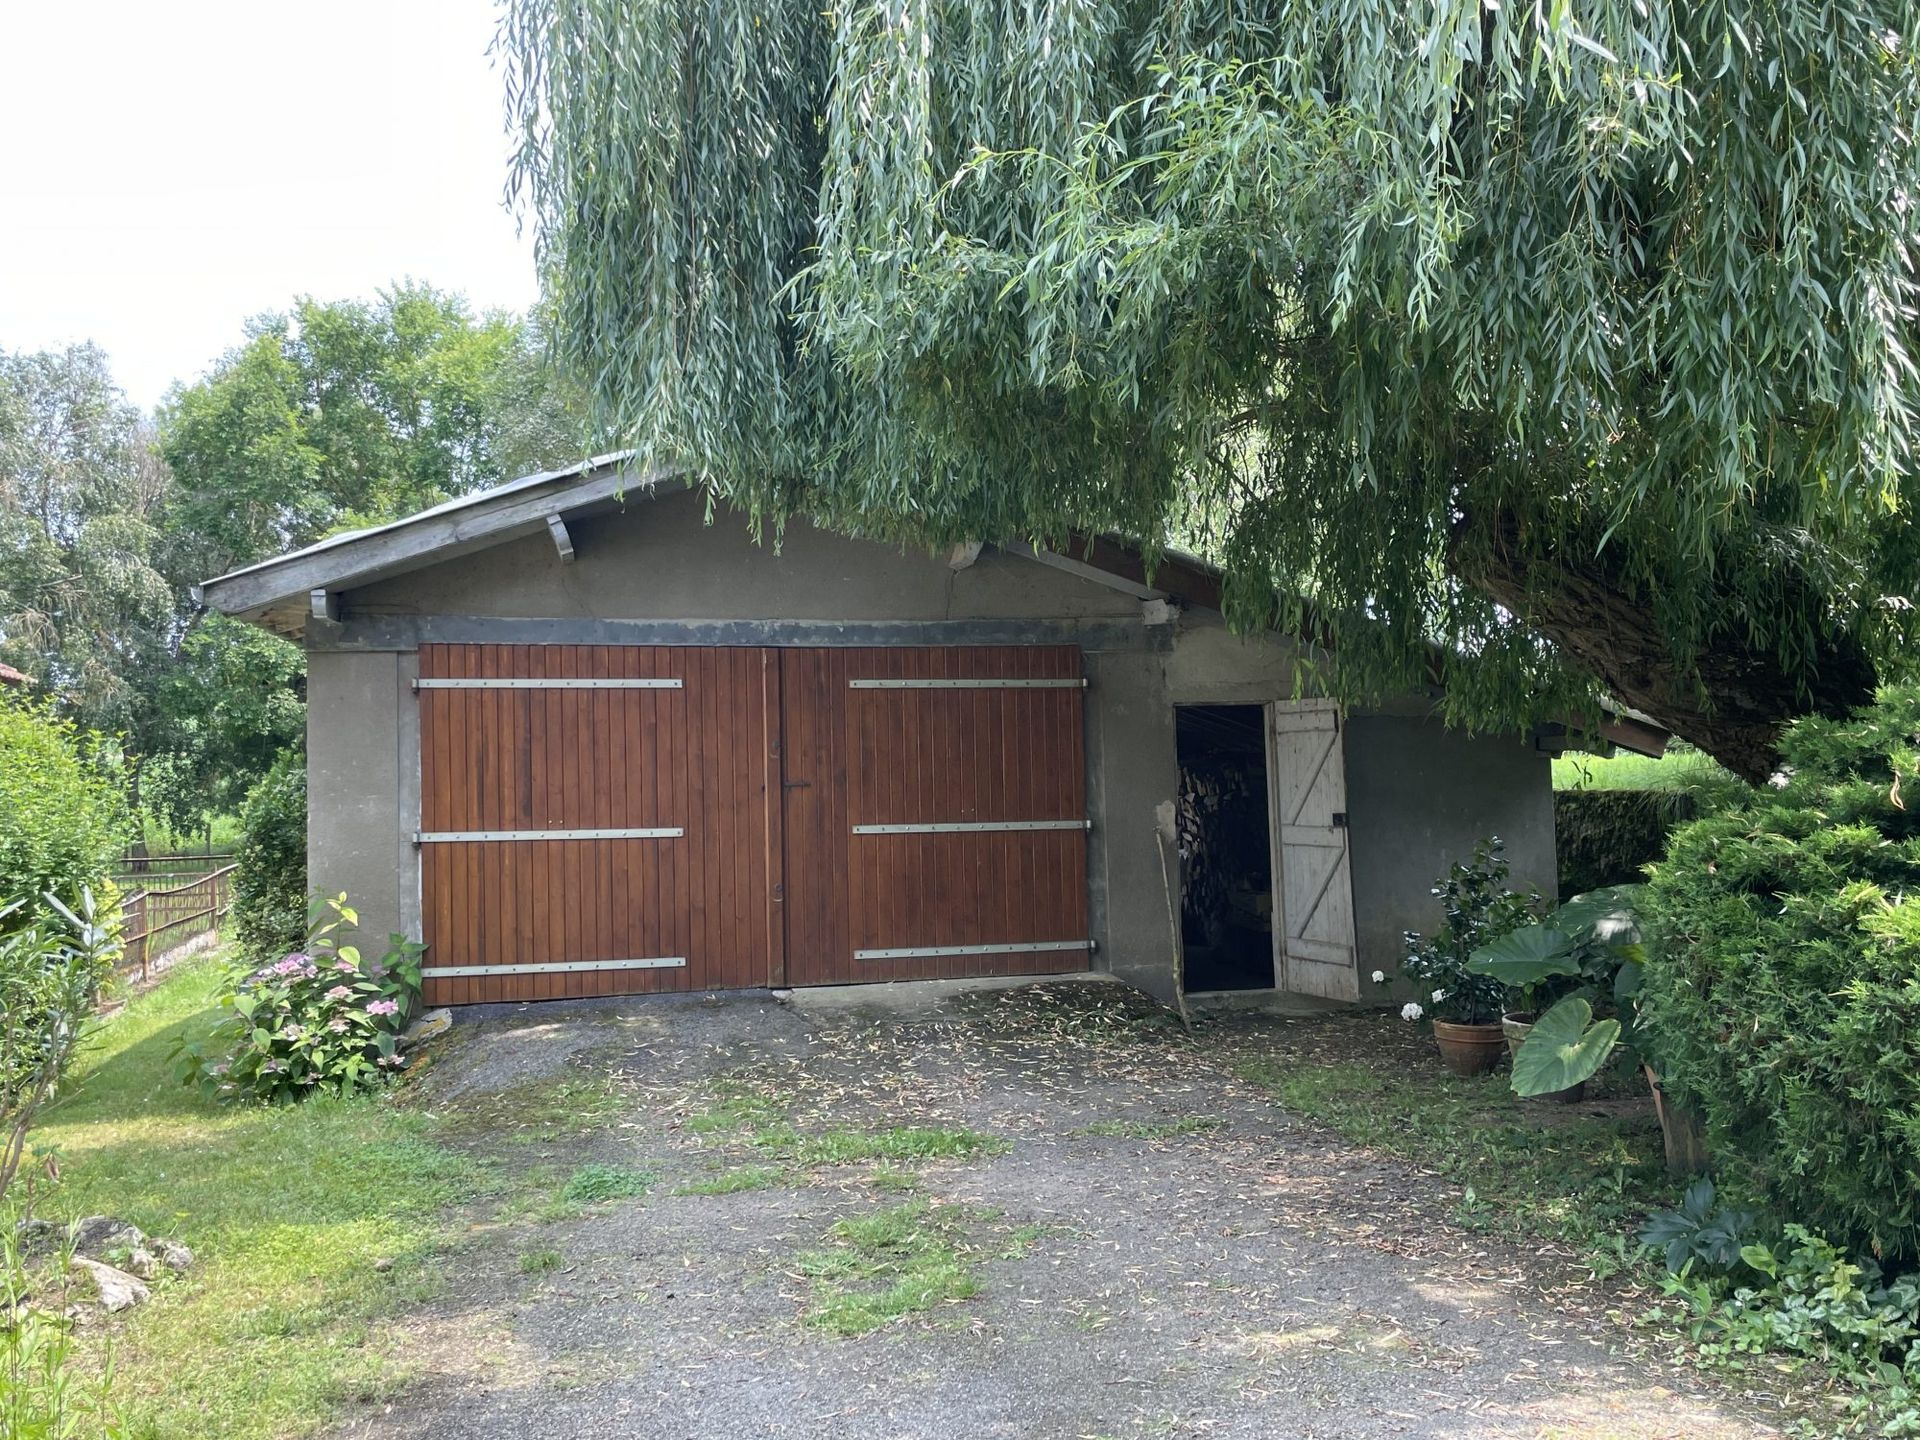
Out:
{"x": 1517, "y": 1025}
{"x": 1469, "y": 1049}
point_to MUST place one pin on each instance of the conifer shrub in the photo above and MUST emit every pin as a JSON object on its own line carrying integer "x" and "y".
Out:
{"x": 1783, "y": 997}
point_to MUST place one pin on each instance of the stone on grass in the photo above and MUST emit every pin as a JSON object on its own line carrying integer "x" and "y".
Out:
{"x": 117, "y": 1289}
{"x": 97, "y": 1234}
{"x": 36, "y": 1237}
{"x": 429, "y": 1025}
{"x": 101, "y": 1239}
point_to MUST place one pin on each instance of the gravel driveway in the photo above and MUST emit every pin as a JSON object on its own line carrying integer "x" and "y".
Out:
{"x": 1157, "y": 1249}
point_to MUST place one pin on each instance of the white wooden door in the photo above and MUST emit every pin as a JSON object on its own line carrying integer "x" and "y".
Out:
{"x": 1306, "y": 760}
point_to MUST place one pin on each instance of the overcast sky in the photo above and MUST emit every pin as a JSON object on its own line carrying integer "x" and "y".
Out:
{"x": 177, "y": 167}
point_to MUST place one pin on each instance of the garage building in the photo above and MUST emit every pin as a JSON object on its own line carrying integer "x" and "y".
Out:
{"x": 582, "y": 741}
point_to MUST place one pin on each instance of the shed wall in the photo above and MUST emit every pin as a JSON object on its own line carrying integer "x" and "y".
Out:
{"x": 662, "y": 561}
{"x": 363, "y": 792}
{"x": 1419, "y": 798}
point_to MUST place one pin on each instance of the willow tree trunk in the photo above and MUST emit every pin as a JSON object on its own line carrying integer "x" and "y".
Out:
{"x": 1731, "y": 700}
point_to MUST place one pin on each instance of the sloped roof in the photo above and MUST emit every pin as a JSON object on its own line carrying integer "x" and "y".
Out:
{"x": 278, "y": 593}
{"x": 275, "y": 592}
{"x": 11, "y": 676}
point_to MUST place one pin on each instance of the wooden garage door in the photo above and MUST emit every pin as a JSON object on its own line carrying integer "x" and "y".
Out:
{"x": 936, "y": 815}
{"x": 596, "y": 820}
{"x": 600, "y": 820}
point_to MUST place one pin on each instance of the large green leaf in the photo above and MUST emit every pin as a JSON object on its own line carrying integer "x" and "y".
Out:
{"x": 1628, "y": 979}
{"x": 1525, "y": 956}
{"x": 1607, "y": 916}
{"x": 1566, "y": 1046}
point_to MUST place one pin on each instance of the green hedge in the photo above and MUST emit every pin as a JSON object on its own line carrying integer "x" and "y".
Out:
{"x": 270, "y": 862}
{"x": 1783, "y": 995}
{"x": 63, "y": 815}
{"x": 1608, "y": 837}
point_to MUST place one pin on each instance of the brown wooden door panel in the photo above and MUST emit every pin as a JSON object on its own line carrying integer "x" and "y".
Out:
{"x": 921, "y": 890}
{"x": 699, "y": 759}
{"x": 766, "y": 882}
{"x": 863, "y": 749}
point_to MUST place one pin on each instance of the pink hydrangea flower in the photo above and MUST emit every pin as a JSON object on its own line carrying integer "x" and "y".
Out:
{"x": 383, "y": 1007}
{"x": 344, "y": 964}
{"x": 339, "y": 992}
{"x": 339, "y": 1027}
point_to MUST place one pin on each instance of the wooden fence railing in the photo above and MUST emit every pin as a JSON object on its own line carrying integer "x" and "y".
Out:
{"x": 159, "y": 921}
{"x": 156, "y": 872}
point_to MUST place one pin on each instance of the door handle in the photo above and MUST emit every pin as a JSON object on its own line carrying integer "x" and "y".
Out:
{"x": 1339, "y": 819}
{"x": 796, "y": 784}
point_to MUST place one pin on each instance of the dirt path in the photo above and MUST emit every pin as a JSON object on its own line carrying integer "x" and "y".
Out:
{"x": 1157, "y": 1249}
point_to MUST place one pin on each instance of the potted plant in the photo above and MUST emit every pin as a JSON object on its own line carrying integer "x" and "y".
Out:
{"x": 1465, "y": 1007}
{"x": 1588, "y": 951}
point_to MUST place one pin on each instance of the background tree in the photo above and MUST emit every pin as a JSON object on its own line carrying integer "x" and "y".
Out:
{"x": 84, "y": 607}
{"x": 345, "y": 413}
{"x": 330, "y": 415}
{"x": 233, "y": 699}
{"x": 1565, "y": 347}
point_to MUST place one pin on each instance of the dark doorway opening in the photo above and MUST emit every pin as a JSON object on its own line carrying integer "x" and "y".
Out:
{"x": 1226, "y": 848}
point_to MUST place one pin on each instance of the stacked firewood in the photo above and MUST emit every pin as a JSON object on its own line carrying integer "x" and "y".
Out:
{"x": 1210, "y": 866}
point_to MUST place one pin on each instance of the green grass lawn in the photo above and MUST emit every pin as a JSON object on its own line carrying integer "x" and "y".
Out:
{"x": 1681, "y": 768}
{"x": 1533, "y": 1170}
{"x": 287, "y": 1209}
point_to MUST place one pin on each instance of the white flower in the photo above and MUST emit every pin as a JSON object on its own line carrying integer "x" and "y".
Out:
{"x": 1379, "y": 977}
{"x": 1781, "y": 778}
{"x": 1411, "y": 1010}
{"x": 1438, "y": 996}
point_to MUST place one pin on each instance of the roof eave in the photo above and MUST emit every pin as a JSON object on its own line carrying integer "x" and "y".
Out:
{"x": 474, "y": 523}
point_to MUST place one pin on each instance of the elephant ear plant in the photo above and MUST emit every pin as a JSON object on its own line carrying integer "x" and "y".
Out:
{"x": 1588, "y": 952}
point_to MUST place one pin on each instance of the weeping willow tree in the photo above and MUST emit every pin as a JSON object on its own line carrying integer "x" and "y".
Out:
{"x": 1564, "y": 347}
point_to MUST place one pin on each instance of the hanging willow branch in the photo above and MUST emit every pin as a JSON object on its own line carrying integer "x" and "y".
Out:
{"x": 1338, "y": 288}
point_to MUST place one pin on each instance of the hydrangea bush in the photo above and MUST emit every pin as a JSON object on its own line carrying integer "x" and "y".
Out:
{"x": 318, "y": 1018}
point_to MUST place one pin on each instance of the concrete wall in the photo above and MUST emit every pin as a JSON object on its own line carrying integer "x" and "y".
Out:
{"x": 1133, "y": 777}
{"x": 1418, "y": 796}
{"x": 363, "y": 787}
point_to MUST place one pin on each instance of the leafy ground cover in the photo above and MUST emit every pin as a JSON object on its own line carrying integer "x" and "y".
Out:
{"x": 312, "y": 1224}
{"x": 1579, "y": 1181}
{"x": 923, "y": 1195}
